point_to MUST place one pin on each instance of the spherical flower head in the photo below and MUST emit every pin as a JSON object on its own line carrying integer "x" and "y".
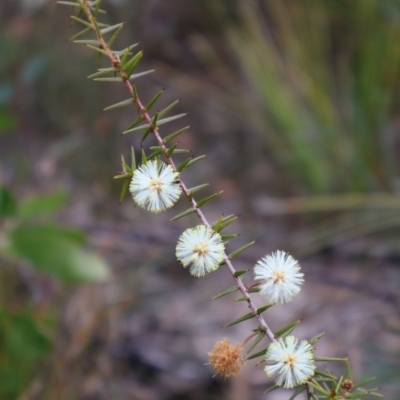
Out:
{"x": 226, "y": 358}
{"x": 291, "y": 360}
{"x": 200, "y": 248}
{"x": 280, "y": 277}
{"x": 154, "y": 187}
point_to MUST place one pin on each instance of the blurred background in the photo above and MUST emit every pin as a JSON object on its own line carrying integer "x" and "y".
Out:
{"x": 296, "y": 105}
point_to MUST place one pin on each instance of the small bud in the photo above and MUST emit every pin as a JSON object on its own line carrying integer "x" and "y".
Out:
{"x": 347, "y": 385}
{"x": 225, "y": 358}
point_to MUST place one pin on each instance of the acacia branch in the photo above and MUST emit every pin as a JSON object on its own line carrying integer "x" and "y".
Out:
{"x": 154, "y": 129}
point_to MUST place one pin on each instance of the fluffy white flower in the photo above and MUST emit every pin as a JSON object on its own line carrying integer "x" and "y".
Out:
{"x": 201, "y": 248}
{"x": 154, "y": 186}
{"x": 292, "y": 360}
{"x": 280, "y": 277}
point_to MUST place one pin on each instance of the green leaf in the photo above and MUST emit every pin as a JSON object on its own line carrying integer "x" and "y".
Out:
{"x": 255, "y": 342}
{"x": 223, "y": 222}
{"x": 324, "y": 374}
{"x": 183, "y": 164}
{"x": 154, "y": 120}
{"x": 197, "y": 188}
{"x": 222, "y": 219}
{"x": 271, "y": 389}
{"x": 122, "y": 176}
{"x": 215, "y": 225}
{"x": 154, "y": 154}
{"x": 111, "y": 28}
{"x": 258, "y": 354}
{"x": 133, "y": 159}
{"x": 171, "y": 150}
{"x": 97, "y": 7}
{"x": 124, "y": 58}
{"x": 194, "y": 160}
{"x": 139, "y": 74}
{"x": 99, "y": 50}
{"x": 124, "y": 189}
{"x": 115, "y": 35}
{"x": 330, "y": 359}
{"x": 287, "y": 329}
{"x": 247, "y": 316}
{"x": 227, "y": 221}
{"x": 297, "y": 392}
{"x": 124, "y": 103}
{"x": 183, "y": 214}
{"x": 109, "y": 79}
{"x": 239, "y": 320}
{"x": 43, "y": 204}
{"x": 238, "y": 251}
{"x": 160, "y": 122}
{"x": 169, "y": 119}
{"x": 180, "y": 151}
{"x": 363, "y": 383}
{"x": 8, "y": 205}
{"x": 339, "y": 384}
{"x": 324, "y": 380}
{"x": 146, "y": 133}
{"x": 122, "y": 52}
{"x": 97, "y": 27}
{"x": 20, "y": 337}
{"x": 230, "y": 290}
{"x": 316, "y": 338}
{"x": 375, "y": 394}
{"x": 243, "y": 298}
{"x": 264, "y": 308}
{"x": 136, "y": 129}
{"x": 119, "y": 79}
{"x": 55, "y": 251}
{"x": 254, "y": 290}
{"x": 130, "y": 65}
{"x": 153, "y": 100}
{"x": 201, "y": 202}
{"x": 360, "y": 395}
{"x": 241, "y": 272}
{"x": 175, "y": 134}
{"x": 75, "y": 236}
{"x": 102, "y": 71}
{"x": 169, "y": 108}
{"x": 79, "y": 34}
{"x": 123, "y": 164}
{"x": 144, "y": 158}
{"x": 91, "y": 42}
{"x": 81, "y": 21}
{"x": 135, "y": 122}
{"x": 125, "y": 167}
{"x": 230, "y": 236}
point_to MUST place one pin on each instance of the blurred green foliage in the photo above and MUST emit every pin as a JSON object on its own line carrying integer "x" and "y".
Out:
{"x": 22, "y": 345}
{"x": 55, "y": 250}
{"x": 322, "y": 87}
{"x": 50, "y": 248}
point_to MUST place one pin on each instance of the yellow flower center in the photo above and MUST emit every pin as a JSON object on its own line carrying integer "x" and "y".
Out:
{"x": 278, "y": 276}
{"x": 201, "y": 249}
{"x": 291, "y": 360}
{"x": 156, "y": 184}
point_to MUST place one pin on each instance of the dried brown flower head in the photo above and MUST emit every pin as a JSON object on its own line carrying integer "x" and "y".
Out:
{"x": 225, "y": 358}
